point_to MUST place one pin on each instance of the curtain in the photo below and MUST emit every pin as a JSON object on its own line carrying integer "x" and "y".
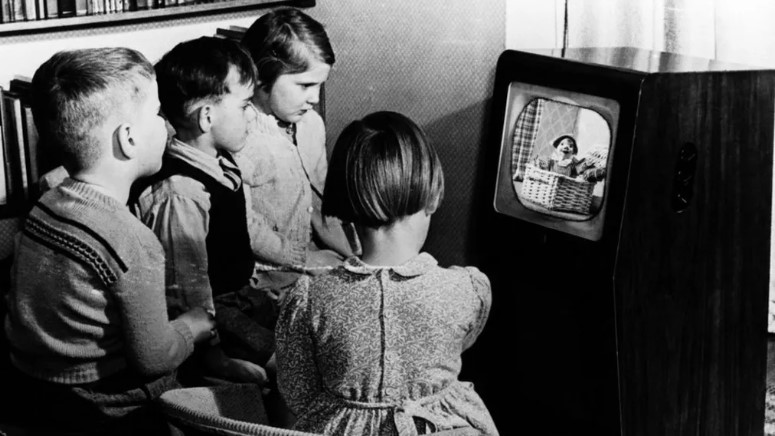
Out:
{"x": 524, "y": 138}
{"x": 738, "y": 31}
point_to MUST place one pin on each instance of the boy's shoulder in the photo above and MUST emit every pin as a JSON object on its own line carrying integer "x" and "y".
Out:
{"x": 175, "y": 185}
{"x": 184, "y": 174}
{"x": 105, "y": 236}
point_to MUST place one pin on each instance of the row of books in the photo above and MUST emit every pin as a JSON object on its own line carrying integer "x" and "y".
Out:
{"x": 22, "y": 160}
{"x": 32, "y": 10}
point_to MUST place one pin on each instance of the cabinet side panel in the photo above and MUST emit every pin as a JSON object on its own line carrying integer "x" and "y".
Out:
{"x": 691, "y": 284}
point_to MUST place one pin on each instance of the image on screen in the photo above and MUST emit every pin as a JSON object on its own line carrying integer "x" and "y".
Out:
{"x": 556, "y": 154}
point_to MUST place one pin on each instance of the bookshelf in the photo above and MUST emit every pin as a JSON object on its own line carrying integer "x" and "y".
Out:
{"x": 148, "y": 15}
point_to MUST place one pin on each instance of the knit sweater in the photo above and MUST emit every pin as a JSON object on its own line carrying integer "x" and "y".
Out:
{"x": 87, "y": 292}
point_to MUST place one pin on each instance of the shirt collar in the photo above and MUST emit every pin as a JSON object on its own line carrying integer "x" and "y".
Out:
{"x": 200, "y": 160}
{"x": 416, "y": 266}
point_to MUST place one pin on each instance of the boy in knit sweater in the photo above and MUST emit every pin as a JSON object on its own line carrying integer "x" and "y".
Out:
{"x": 196, "y": 203}
{"x": 87, "y": 325}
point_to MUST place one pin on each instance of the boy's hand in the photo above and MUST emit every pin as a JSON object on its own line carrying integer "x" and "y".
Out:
{"x": 220, "y": 365}
{"x": 245, "y": 372}
{"x": 201, "y": 323}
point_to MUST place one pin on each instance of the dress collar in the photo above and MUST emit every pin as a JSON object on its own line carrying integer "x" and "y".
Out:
{"x": 416, "y": 266}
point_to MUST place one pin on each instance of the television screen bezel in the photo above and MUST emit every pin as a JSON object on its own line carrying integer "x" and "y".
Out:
{"x": 507, "y": 201}
{"x": 551, "y": 70}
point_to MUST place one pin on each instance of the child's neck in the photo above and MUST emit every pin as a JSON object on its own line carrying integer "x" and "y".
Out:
{"x": 395, "y": 244}
{"x": 110, "y": 185}
{"x": 203, "y": 143}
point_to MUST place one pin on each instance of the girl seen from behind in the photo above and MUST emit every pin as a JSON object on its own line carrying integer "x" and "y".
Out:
{"x": 374, "y": 347}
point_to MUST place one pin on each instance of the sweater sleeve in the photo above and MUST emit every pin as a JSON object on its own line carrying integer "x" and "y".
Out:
{"x": 154, "y": 344}
{"x": 297, "y": 374}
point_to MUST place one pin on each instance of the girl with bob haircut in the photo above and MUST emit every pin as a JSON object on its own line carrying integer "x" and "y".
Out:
{"x": 374, "y": 347}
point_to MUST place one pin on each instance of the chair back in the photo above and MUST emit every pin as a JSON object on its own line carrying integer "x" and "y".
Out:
{"x": 231, "y": 410}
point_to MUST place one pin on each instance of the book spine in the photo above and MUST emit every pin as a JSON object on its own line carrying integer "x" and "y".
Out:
{"x": 81, "y": 7}
{"x": 66, "y": 8}
{"x": 31, "y": 140}
{"x": 21, "y": 161}
{"x": 52, "y": 9}
{"x": 7, "y": 11}
{"x": 12, "y": 182}
{"x": 3, "y": 160}
{"x": 29, "y": 10}
{"x": 40, "y": 9}
{"x": 18, "y": 10}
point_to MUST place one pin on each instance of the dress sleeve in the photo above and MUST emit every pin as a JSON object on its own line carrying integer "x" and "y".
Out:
{"x": 297, "y": 374}
{"x": 481, "y": 286}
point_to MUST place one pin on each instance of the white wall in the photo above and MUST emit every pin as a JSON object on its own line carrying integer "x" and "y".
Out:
{"x": 534, "y": 24}
{"x": 21, "y": 55}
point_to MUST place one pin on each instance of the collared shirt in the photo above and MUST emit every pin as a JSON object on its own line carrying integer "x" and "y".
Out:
{"x": 283, "y": 183}
{"x": 177, "y": 210}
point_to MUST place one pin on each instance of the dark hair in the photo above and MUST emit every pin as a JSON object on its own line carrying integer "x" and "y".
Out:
{"x": 382, "y": 169}
{"x": 197, "y": 69}
{"x": 76, "y": 91}
{"x": 282, "y": 41}
{"x": 557, "y": 142}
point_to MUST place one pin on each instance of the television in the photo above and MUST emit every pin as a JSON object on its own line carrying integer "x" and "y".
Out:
{"x": 628, "y": 241}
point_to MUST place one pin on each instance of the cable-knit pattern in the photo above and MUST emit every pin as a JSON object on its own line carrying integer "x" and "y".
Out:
{"x": 59, "y": 240}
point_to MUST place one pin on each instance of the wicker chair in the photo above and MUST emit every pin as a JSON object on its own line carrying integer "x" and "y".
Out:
{"x": 232, "y": 410}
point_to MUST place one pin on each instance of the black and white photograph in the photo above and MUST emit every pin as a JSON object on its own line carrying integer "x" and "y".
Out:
{"x": 387, "y": 218}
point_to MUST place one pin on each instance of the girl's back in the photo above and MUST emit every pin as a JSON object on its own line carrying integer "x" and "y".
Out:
{"x": 381, "y": 338}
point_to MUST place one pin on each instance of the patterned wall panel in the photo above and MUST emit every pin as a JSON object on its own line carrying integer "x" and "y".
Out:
{"x": 433, "y": 61}
{"x": 9, "y": 227}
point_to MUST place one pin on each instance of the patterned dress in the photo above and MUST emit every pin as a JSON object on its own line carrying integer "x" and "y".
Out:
{"x": 369, "y": 350}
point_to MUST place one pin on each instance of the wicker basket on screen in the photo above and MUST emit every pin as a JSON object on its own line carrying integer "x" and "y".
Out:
{"x": 555, "y": 191}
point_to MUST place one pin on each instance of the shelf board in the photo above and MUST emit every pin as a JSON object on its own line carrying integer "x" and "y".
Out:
{"x": 118, "y": 18}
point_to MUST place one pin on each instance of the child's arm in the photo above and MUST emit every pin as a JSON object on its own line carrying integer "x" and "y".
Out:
{"x": 331, "y": 233}
{"x": 153, "y": 344}
{"x": 180, "y": 223}
{"x": 483, "y": 292}
{"x": 271, "y": 246}
{"x": 229, "y": 368}
{"x": 297, "y": 374}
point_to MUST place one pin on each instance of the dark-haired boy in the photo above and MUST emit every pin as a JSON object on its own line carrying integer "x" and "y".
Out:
{"x": 196, "y": 203}
{"x": 87, "y": 326}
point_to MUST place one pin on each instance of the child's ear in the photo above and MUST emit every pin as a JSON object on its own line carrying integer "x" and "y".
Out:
{"x": 204, "y": 117}
{"x": 126, "y": 142}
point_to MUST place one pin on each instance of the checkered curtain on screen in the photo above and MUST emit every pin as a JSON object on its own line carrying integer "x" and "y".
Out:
{"x": 524, "y": 138}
